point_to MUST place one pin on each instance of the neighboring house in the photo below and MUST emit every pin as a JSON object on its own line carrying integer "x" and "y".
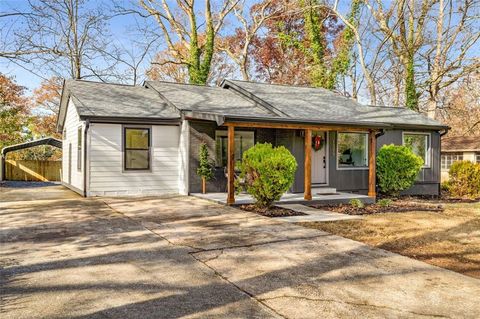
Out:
{"x": 121, "y": 139}
{"x": 459, "y": 148}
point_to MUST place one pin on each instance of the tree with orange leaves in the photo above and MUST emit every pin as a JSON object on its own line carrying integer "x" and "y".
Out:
{"x": 14, "y": 110}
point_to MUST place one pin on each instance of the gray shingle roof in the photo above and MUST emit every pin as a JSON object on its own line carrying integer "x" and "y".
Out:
{"x": 207, "y": 99}
{"x": 235, "y": 100}
{"x": 460, "y": 143}
{"x": 316, "y": 104}
{"x": 114, "y": 100}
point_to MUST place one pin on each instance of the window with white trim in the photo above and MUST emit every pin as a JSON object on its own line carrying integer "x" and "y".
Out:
{"x": 450, "y": 158}
{"x": 477, "y": 157}
{"x": 352, "y": 150}
{"x": 419, "y": 143}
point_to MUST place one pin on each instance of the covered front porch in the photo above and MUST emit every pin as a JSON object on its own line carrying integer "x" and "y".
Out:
{"x": 310, "y": 193}
{"x": 319, "y": 196}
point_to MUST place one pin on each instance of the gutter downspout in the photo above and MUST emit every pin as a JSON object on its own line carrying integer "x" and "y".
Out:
{"x": 445, "y": 131}
{"x": 87, "y": 125}
{"x": 380, "y": 133}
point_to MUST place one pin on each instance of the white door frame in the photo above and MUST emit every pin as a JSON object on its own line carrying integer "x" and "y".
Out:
{"x": 327, "y": 164}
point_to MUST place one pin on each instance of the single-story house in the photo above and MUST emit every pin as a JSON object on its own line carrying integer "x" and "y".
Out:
{"x": 459, "y": 148}
{"x": 121, "y": 139}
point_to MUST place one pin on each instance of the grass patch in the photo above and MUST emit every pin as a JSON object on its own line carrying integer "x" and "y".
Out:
{"x": 450, "y": 239}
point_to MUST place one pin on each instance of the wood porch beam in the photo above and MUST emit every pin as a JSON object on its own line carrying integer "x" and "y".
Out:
{"x": 308, "y": 165}
{"x": 296, "y": 126}
{"x": 231, "y": 166}
{"x": 372, "y": 162}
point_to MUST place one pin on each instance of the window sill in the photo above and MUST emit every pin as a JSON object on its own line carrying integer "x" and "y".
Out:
{"x": 352, "y": 168}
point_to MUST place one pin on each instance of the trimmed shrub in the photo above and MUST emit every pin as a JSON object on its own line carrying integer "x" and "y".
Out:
{"x": 205, "y": 166}
{"x": 355, "y": 202}
{"x": 464, "y": 179}
{"x": 385, "y": 202}
{"x": 397, "y": 168}
{"x": 267, "y": 172}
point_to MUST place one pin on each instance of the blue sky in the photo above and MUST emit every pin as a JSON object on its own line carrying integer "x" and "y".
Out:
{"x": 120, "y": 27}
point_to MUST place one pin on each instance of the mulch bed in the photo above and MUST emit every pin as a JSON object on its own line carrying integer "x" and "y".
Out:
{"x": 395, "y": 207}
{"x": 273, "y": 211}
{"x": 444, "y": 199}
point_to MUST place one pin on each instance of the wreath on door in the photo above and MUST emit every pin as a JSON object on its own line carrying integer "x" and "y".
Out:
{"x": 317, "y": 142}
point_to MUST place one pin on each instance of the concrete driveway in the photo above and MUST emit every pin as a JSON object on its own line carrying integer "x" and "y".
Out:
{"x": 183, "y": 257}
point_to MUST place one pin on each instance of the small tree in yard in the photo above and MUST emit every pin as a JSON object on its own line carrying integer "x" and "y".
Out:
{"x": 205, "y": 167}
{"x": 464, "y": 179}
{"x": 268, "y": 172}
{"x": 397, "y": 168}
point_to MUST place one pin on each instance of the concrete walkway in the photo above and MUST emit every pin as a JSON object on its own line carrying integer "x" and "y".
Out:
{"x": 313, "y": 215}
{"x": 183, "y": 257}
{"x": 290, "y": 198}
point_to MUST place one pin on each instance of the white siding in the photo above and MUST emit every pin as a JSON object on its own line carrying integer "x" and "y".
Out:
{"x": 107, "y": 177}
{"x": 72, "y": 122}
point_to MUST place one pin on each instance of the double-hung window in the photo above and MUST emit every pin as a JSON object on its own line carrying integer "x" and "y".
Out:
{"x": 352, "y": 150}
{"x": 419, "y": 143}
{"x": 450, "y": 158}
{"x": 136, "y": 148}
{"x": 243, "y": 141}
{"x": 79, "y": 148}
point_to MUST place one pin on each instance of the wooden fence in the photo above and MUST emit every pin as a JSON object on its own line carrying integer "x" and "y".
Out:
{"x": 44, "y": 171}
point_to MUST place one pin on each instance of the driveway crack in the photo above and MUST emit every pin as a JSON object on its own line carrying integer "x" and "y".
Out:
{"x": 195, "y": 249}
{"x": 353, "y": 304}
{"x": 253, "y": 297}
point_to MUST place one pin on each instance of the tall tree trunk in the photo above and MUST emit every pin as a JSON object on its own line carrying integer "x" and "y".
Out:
{"x": 411, "y": 95}
{"x": 204, "y": 185}
{"x": 437, "y": 65}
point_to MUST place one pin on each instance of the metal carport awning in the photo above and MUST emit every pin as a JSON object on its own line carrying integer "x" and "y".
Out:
{"x": 43, "y": 141}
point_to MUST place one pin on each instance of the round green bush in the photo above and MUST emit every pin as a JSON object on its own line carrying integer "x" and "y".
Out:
{"x": 397, "y": 168}
{"x": 464, "y": 180}
{"x": 267, "y": 172}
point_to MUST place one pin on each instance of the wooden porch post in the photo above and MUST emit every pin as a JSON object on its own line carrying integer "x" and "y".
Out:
{"x": 308, "y": 165}
{"x": 372, "y": 147}
{"x": 231, "y": 166}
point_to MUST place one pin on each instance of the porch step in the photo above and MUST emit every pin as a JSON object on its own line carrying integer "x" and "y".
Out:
{"x": 324, "y": 190}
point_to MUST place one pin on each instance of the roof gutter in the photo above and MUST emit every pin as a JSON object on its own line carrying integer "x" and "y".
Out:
{"x": 204, "y": 116}
{"x": 420, "y": 127}
{"x": 129, "y": 119}
{"x": 373, "y": 125}
{"x": 445, "y": 131}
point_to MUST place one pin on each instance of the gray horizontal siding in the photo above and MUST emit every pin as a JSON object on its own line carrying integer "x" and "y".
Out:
{"x": 342, "y": 179}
